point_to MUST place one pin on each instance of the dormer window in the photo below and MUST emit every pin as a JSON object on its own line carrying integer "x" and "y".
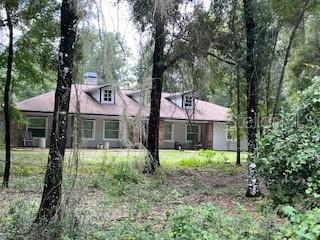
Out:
{"x": 107, "y": 97}
{"x": 188, "y": 101}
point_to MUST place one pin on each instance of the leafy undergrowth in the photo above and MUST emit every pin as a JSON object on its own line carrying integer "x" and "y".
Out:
{"x": 112, "y": 199}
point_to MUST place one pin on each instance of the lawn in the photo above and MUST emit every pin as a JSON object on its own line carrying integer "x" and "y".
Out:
{"x": 111, "y": 192}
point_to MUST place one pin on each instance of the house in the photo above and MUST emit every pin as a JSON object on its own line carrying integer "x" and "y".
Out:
{"x": 109, "y": 116}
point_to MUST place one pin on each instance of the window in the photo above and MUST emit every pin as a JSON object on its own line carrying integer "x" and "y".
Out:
{"x": 193, "y": 132}
{"x": 37, "y": 127}
{"x": 111, "y": 129}
{"x": 107, "y": 95}
{"x": 87, "y": 129}
{"x": 168, "y": 132}
{"x": 188, "y": 101}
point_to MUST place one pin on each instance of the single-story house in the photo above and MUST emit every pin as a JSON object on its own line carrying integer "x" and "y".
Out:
{"x": 110, "y": 115}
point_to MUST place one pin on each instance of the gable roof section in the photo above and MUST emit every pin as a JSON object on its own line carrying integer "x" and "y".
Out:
{"x": 204, "y": 111}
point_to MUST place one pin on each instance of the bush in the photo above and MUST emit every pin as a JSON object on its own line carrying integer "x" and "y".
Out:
{"x": 288, "y": 156}
{"x": 300, "y": 226}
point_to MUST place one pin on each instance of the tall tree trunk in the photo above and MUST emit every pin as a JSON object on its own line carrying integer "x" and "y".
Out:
{"x": 236, "y": 48}
{"x": 238, "y": 163}
{"x": 253, "y": 184}
{"x": 286, "y": 59}
{"x": 157, "y": 79}
{"x": 51, "y": 197}
{"x": 6, "y": 101}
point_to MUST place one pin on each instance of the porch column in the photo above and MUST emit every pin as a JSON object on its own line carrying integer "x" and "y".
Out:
{"x": 209, "y": 135}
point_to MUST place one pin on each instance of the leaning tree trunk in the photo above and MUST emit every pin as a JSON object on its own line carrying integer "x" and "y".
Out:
{"x": 253, "y": 184}
{"x": 51, "y": 197}
{"x": 6, "y": 101}
{"x": 286, "y": 59}
{"x": 157, "y": 79}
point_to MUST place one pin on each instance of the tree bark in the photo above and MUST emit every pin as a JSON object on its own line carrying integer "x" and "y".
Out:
{"x": 157, "y": 80}
{"x": 236, "y": 48}
{"x": 286, "y": 59}
{"x": 238, "y": 161}
{"x": 51, "y": 197}
{"x": 267, "y": 96}
{"x": 6, "y": 101}
{"x": 253, "y": 184}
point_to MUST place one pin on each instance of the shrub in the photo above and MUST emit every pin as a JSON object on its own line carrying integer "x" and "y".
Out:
{"x": 288, "y": 156}
{"x": 300, "y": 226}
{"x": 124, "y": 172}
{"x": 209, "y": 154}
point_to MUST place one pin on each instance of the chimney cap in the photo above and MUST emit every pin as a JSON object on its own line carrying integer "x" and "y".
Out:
{"x": 90, "y": 75}
{"x": 91, "y": 78}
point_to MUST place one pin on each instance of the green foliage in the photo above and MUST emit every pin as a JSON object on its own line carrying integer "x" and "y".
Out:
{"x": 288, "y": 156}
{"x": 210, "y": 159}
{"x": 207, "y": 153}
{"x": 34, "y": 61}
{"x": 202, "y": 222}
{"x": 17, "y": 223}
{"x": 109, "y": 58}
{"x": 300, "y": 226}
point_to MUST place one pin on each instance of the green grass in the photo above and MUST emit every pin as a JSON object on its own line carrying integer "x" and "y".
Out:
{"x": 33, "y": 162}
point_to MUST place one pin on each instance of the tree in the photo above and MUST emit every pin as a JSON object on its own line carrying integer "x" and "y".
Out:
{"x": 51, "y": 196}
{"x": 253, "y": 186}
{"x": 6, "y": 101}
{"x": 160, "y": 15}
{"x": 108, "y": 59}
{"x": 20, "y": 62}
{"x": 298, "y": 18}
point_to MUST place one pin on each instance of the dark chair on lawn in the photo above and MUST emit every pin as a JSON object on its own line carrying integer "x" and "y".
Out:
{"x": 195, "y": 143}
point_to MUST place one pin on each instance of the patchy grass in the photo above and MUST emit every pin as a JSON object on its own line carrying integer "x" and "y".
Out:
{"x": 112, "y": 193}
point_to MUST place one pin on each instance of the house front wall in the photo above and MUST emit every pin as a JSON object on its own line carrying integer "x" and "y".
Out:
{"x": 21, "y": 130}
{"x": 212, "y": 134}
{"x": 180, "y": 134}
{"x": 221, "y": 142}
{"x": 99, "y": 133}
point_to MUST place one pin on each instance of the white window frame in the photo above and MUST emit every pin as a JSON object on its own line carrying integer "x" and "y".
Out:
{"x": 94, "y": 129}
{"x": 172, "y": 132}
{"x": 185, "y": 101}
{"x": 46, "y": 126}
{"x": 186, "y": 131}
{"x": 104, "y": 130}
{"x": 106, "y": 92}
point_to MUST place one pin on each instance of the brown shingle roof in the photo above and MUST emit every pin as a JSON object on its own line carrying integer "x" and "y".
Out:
{"x": 88, "y": 105}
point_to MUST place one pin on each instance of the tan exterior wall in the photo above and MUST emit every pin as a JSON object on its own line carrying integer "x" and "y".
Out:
{"x": 213, "y": 135}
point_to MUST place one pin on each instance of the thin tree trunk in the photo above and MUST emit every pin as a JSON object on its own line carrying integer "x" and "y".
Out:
{"x": 238, "y": 163}
{"x": 157, "y": 79}
{"x": 51, "y": 197}
{"x": 236, "y": 46}
{"x": 286, "y": 59}
{"x": 253, "y": 184}
{"x": 267, "y": 96}
{"x": 6, "y": 101}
